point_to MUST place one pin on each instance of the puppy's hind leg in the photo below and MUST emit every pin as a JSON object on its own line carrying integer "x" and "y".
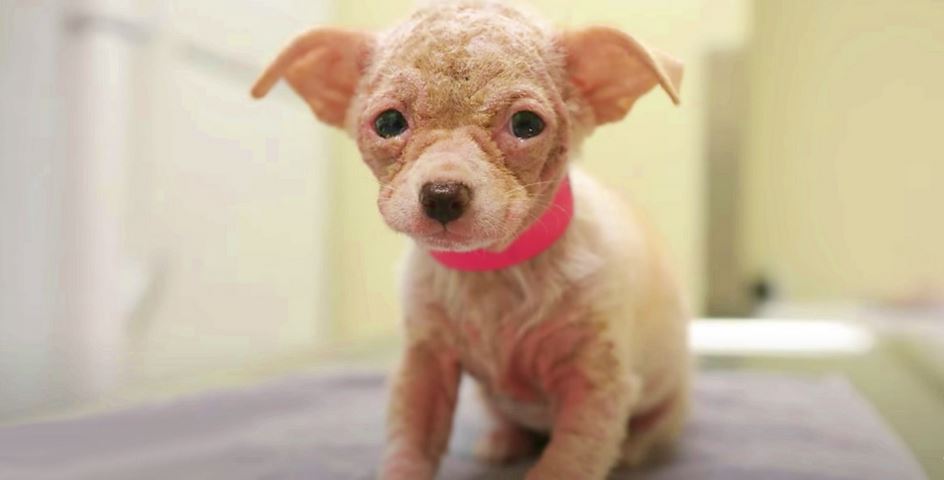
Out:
{"x": 505, "y": 441}
{"x": 652, "y": 435}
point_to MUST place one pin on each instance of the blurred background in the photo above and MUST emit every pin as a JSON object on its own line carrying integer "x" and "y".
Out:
{"x": 161, "y": 233}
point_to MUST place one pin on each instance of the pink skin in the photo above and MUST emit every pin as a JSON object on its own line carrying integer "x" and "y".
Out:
{"x": 450, "y": 159}
{"x": 482, "y": 158}
{"x": 420, "y": 414}
{"x": 557, "y": 361}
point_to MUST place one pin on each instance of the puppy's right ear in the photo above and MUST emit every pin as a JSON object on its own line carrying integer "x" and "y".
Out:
{"x": 324, "y": 67}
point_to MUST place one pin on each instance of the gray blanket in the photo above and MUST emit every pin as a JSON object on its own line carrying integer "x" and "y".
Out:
{"x": 745, "y": 426}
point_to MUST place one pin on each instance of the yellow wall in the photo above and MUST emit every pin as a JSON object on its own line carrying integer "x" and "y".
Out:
{"x": 845, "y": 161}
{"x": 365, "y": 251}
{"x": 654, "y": 156}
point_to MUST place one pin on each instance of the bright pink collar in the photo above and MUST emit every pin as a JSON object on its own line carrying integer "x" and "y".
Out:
{"x": 550, "y": 226}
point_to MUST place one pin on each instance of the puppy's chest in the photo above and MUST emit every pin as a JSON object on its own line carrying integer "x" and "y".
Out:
{"x": 516, "y": 351}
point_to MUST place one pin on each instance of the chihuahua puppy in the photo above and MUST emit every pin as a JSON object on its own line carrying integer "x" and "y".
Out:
{"x": 527, "y": 274}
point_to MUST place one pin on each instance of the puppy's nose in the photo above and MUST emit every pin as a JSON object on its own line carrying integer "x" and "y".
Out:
{"x": 444, "y": 202}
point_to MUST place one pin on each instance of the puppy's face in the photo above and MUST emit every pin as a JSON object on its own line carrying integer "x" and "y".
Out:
{"x": 467, "y": 112}
{"x": 462, "y": 119}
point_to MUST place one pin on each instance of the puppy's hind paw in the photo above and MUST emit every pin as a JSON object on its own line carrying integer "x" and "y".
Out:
{"x": 506, "y": 445}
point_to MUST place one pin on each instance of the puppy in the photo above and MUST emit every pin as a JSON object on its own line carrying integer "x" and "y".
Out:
{"x": 527, "y": 274}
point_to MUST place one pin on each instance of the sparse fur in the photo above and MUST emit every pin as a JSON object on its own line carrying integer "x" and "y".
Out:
{"x": 585, "y": 342}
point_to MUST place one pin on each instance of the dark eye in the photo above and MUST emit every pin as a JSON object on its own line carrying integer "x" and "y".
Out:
{"x": 526, "y": 124}
{"x": 390, "y": 123}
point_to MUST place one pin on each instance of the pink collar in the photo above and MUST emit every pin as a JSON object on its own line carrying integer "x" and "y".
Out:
{"x": 549, "y": 227}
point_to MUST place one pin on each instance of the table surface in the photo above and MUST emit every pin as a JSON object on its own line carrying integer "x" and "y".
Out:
{"x": 902, "y": 376}
{"x": 744, "y": 426}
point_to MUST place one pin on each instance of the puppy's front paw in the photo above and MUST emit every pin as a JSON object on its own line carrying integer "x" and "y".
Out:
{"x": 506, "y": 445}
{"x": 541, "y": 472}
{"x": 407, "y": 467}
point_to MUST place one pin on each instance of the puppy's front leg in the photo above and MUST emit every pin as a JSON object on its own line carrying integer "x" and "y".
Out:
{"x": 590, "y": 423}
{"x": 419, "y": 421}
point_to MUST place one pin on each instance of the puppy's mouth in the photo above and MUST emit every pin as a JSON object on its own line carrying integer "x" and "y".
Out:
{"x": 448, "y": 238}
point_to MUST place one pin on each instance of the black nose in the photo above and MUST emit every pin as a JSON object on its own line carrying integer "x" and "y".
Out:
{"x": 444, "y": 202}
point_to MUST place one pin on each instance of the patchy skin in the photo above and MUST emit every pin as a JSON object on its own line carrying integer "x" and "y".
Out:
{"x": 587, "y": 341}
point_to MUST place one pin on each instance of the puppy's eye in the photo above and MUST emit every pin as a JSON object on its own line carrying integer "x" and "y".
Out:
{"x": 390, "y": 123}
{"x": 526, "y": 124}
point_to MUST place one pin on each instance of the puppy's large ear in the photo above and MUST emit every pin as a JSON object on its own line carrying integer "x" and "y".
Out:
{"x": 611, "y": 70}
{"x": 323, "y": 66}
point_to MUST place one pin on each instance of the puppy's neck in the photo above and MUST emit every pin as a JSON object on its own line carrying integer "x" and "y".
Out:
{"x": 536, "y": 239}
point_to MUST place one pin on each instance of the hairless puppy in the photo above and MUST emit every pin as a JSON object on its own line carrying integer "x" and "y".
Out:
{"x": 527, "y": 275}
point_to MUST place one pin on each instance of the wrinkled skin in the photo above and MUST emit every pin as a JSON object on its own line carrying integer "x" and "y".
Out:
{"x": 458, "y": 76}
{"x": 585, "y": 342}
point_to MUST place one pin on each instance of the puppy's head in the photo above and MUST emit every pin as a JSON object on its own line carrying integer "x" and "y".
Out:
{"x": 467, "y": 112}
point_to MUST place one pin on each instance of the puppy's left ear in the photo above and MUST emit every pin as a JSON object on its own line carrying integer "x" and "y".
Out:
{"x": 324, "y": 67}
{"x": 611, "y": 70}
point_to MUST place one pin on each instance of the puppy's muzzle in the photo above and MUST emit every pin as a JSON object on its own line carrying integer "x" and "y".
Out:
{"x": 444, "y": 201}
